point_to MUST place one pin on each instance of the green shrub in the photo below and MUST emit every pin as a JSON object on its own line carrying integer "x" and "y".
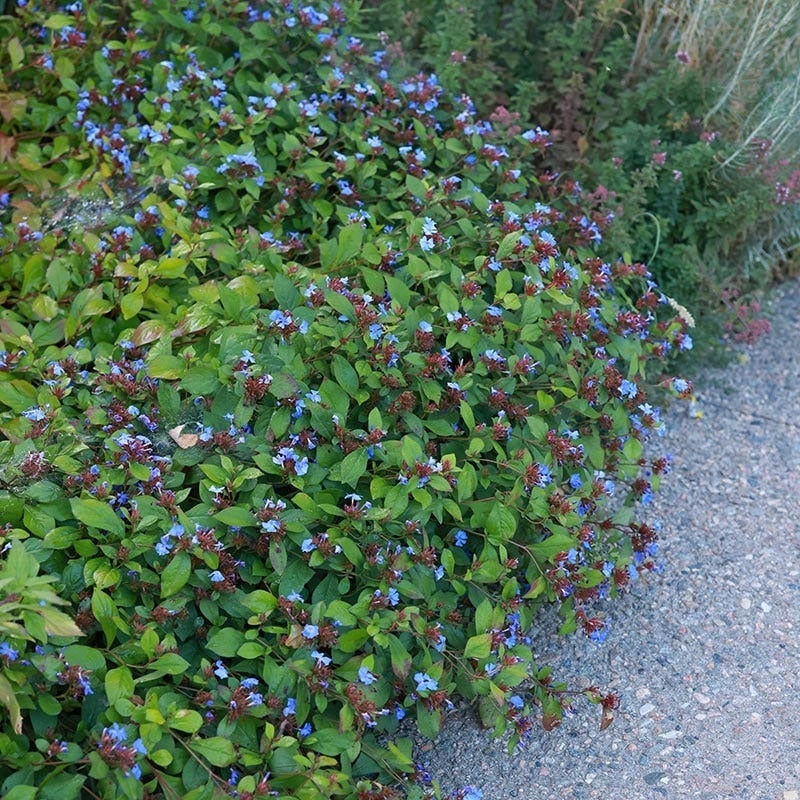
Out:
{"x": 307, "y": 420}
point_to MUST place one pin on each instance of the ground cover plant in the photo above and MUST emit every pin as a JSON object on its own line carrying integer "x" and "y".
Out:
{"x": 313, "y": 390}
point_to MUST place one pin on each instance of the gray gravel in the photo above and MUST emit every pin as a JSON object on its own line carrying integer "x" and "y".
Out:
{"x": 706, "y": 654}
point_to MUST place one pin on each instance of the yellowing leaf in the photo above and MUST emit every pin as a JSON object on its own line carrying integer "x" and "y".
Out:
{"x": 57, "y": 623}
{"x": 9, "y": 700}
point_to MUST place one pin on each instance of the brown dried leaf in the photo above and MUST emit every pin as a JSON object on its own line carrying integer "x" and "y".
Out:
{"x": 550, "y": 721}
{"x": 7, "y": 145}
{"x": 607, "y": 718}
{"x": 12, "y": 105}
{"x": 183, "y": 440}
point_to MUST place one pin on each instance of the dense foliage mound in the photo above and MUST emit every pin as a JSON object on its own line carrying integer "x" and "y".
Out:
{"x": 313, "y": 390}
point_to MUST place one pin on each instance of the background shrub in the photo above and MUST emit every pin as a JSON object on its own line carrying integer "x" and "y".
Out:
{"x": 313, "y": 388}
{"x": 685, "y": 112}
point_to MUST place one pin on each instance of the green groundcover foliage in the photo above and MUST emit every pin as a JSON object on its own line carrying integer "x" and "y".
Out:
{"x": 313, "y": 390}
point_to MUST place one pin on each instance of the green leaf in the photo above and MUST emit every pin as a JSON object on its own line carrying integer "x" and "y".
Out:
{"x": 225, "y": 642}
{"x": 327, "y": 253}
{"x": 260, "y": 601}
{"x": 217, "y": 750}
{"x": 171, "y": 267}
{"x": 350, "y": 239}
{"x": 416, "y": 187}
{"x": 353, "y": 467}
{"x": 483, "y": 615}
{"x": 97, "y": 514}
{"x": 479, "y": 646}
{"x": 552, "y": 545}
{"x": 329, "y": 741}
{"x": 501, "y": 523}
{"x": 428, "y": 722}
{"x": 236, "y": 516}
{"x": 467, "y": 483}
{"x": 185, "y": 720}
{"x": 57, "y": 21}
{"x": 20, "y": 792}
{"x": 345, "y": 375}
{"x": 503, "y": 283}
{"x": 285, "y": 292}
{"x": 131, "y": 305}
{"x": 176, "y": 574}
{"x": 506, "y": 246}
{"x": 119, "y": 684}
{"x": 170, "y": 664}
{"x": 200, "y": 380}
{"x": 87, "y": 657}
{"x": 632, "y": 449}
{"x": 166, "y": 367}
{"x": 398, "y": 291}
{"x": 16, "y": 53}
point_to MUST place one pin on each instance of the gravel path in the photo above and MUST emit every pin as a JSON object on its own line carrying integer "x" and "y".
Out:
{"x": 706, "y": 655}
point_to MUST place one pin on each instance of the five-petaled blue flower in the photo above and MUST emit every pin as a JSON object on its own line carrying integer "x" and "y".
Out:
{"x": 425, "y": 683}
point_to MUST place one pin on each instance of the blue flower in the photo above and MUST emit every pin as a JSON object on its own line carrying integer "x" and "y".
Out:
{"x": 219, "y": 670}
{"x": 365, "y": 676}
{"x": 7, "y": 651}
{"x": 83, "y": 680}
{"x": 680, "y": 385}
{"x": 34, "y": 414}
{"x": 310, "y": 631}
{"x": 601, "y": 634}
{"x": 425, "y": 683}
{"x": 628, "y": 389}
{"x": 460, "y": 538}
{"x": 117, "y": 732}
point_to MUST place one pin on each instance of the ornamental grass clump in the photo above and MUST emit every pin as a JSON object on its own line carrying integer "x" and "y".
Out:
{"x": 303, "y": 427}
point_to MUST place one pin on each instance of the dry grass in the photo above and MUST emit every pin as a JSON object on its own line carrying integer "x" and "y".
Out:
{"x": 750, "y": 49}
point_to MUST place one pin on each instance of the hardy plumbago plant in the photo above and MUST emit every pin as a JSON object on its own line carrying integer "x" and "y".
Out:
{"x": 303, "y": 427}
